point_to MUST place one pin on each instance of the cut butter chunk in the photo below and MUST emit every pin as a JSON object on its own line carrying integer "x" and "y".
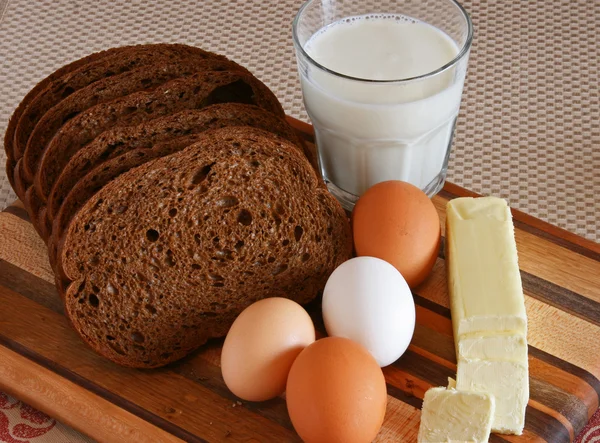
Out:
{"x": 452, "y": 416}
{"x": 507, "y": 381}
{"x": 483, "y": 273}
{"x": 498, "y": 346}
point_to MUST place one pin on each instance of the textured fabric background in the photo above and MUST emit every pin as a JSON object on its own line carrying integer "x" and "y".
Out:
{"x": 529, "y": 127}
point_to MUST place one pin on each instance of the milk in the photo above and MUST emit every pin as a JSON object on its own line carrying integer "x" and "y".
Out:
{"x": 368, "y": 132}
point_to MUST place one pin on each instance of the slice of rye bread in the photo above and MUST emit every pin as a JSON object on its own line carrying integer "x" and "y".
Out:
{"x": 169, "y": 253}
{"x": 157, "y": 138}
{"x": 9, "y": 135}
{"x": 144, "y": 78}
{"x": 89, "y": 185}
{"x": 116, "y": 63}
{"x": 194, "y": 92}
{"x": 116, "y": 142}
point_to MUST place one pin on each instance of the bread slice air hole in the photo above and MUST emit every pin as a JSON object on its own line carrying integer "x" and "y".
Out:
{"x": 115, "y": 347}
{"x": 298, "y": 231}
{"x": 152, "y": 235}
{"x": 93, "y": 300}
{"x": 138, "y": 337}
{"x": 245, "y": 217}
{"x": 279, "y": 269}
{"x": 201, "y": 174}
{"x": 169, "y": 259}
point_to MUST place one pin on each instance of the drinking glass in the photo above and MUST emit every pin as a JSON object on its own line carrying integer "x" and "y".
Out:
{"x": 368, "y": 130}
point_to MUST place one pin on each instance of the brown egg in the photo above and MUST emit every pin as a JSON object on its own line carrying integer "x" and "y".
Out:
{"x": 336, "y": 392}
{"x": 397, "y": 222}
{"x": 261, "y": 346}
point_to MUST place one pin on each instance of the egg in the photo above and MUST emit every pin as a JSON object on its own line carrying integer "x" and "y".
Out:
{"x": 261, "y": 346}
{"x": 336, "y": 392}
{"x": 397, "y": 222}
{"x": 367, "y": 300}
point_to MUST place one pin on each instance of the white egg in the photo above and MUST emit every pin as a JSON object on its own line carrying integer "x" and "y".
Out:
{"x": 367, "y": 300}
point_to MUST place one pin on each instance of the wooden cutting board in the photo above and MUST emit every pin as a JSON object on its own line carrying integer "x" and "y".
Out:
{"x": 43, "y": 362}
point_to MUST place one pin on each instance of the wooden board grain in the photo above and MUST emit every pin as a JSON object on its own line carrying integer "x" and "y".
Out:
{"x": 42, "y": 360}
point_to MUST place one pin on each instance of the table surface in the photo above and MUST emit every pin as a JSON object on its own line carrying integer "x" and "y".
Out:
{"x": 529, "y": 127}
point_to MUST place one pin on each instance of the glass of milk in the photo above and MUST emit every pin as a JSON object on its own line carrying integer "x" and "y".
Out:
{"x": 382, "y": 88}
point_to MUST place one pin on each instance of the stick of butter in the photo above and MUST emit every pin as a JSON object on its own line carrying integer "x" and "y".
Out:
{"x": 450, "y": 416}
{"x": 488, "y": 307}
{"x": 483, "y": 275}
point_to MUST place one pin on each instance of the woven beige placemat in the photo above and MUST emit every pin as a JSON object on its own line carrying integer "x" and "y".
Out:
{"x": 529, "y": 125}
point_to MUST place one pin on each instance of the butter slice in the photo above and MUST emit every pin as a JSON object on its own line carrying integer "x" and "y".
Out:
{"x": 483, "y": 271}
{"x": 499, "y": 346}
{"x": 507, "y": 381}
{"x": 451, "y": 416}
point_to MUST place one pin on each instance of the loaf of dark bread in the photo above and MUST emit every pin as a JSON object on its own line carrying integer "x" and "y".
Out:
{"x": 118, "y": 62}
{"x": 121, "y": 149}
{"x": 167, "y": 254}
{"x": 9, "y": 135}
